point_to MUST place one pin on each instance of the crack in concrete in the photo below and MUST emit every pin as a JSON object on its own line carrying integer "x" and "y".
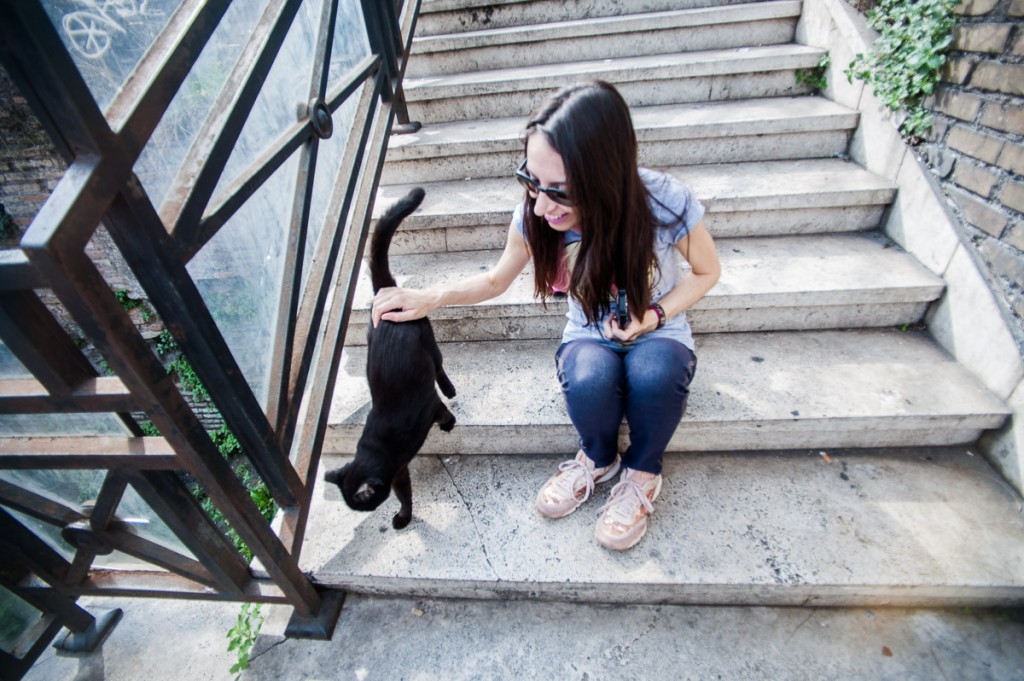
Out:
{"x": 267, "y": 648}
{"x": 472, "y": 516}
{"x": 938, "y": 664}
{"x": 800, "y": 626}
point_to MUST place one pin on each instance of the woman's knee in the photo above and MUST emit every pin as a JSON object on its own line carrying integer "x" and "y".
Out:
{"x": 664, "y": 365}
{"x": 586, "y": 365}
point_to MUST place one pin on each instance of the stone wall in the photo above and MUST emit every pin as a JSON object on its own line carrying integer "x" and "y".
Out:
{"x": 977, "y": 145}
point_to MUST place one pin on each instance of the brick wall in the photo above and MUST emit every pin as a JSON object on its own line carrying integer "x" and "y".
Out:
{"x": 977, "y": 144}
{"x": 29, "y": 166}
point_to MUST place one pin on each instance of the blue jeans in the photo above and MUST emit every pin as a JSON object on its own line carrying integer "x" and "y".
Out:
{"x": 647, "y": 382}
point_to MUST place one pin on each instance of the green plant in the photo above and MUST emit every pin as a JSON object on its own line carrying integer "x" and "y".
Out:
{"x": 8, "y": 227}
{"x": 226, "y": 442}
{"x": 148, "y": 429}
{"x": 230, "y": 448}
{"x": 904, "y": 63}
{"x": 166, "y": 345}
{"x": 242, "y": 636}
{"x": 129, "y": 303}
{"x": 816, "y": 78}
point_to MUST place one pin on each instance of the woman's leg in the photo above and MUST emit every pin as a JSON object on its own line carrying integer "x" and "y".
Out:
{"x": 592, "y": 378}
{"x": 658, "y": 375}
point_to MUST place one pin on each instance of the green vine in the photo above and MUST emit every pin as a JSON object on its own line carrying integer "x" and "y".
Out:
{"x": 816, "y": 78}
{"x": 903, "y": 65}
{"x": 242, "y": 636}
{"x": 128, "y": 303}
{"x": 180, "y": 365}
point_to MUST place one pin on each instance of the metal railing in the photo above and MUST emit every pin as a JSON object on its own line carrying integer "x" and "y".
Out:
{"x": 50, "y": 284}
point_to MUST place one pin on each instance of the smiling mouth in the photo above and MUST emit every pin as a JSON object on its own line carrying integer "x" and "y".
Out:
{"x": 556, "y": 220}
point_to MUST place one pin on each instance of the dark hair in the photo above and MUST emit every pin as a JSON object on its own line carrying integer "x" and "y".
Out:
{"x": 589, "y": 125}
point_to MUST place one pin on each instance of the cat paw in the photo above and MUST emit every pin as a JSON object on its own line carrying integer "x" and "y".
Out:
{"x": 400, "y": 521}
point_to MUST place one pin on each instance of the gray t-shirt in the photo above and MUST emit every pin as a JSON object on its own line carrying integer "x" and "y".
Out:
{"x": 676, "y": 212}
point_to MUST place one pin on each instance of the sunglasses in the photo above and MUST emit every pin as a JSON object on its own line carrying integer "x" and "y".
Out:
{"x": 559, "y": 196}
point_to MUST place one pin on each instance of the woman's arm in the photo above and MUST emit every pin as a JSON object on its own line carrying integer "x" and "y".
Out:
{"x": 699, "y": 249}
{"x": 405, "y": 304}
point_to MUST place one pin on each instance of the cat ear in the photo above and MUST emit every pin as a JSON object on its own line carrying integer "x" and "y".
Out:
{"x": 337, "y": 475}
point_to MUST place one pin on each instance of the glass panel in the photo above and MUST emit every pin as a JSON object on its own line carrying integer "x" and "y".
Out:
{"x": 49, "y": 534}
{"x": 10, "y": 366}
{"x": 71, "y": 488}
{"x": 327, "y": 178}
{"x": 351, "y": 44}
{"x": 134, "y": 511}
{"x": 239, "y": 274}
{"x": 163, "y": 155}
{"x": 108, "y": 38}
{"x": 20, "y": 425}
{"x": 284, "y": 97}
{"x": 17, "y": 620}
{"x": 74, "y": 489}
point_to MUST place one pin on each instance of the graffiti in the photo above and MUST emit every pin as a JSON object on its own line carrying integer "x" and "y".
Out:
{"x": 91, "y": 30}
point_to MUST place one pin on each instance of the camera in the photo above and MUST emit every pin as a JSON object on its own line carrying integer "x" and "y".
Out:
{"x": 622, "y": 309}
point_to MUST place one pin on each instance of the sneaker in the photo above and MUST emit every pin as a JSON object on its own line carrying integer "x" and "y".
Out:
{"x": 573, "y": 484}
{"x": 623, "y": 520}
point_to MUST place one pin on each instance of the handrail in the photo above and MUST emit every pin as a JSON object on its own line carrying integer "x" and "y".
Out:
{"x": 159, "y": 240}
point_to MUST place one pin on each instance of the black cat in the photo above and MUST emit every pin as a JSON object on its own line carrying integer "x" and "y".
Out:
{"x": 402, "y": 364}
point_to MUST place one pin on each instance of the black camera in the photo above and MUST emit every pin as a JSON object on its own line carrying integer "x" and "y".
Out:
{"x": 622, "y": 309}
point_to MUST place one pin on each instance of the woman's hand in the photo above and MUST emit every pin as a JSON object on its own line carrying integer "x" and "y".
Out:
{"x": 635, "y": 328}
{"x": 402, "y": 304}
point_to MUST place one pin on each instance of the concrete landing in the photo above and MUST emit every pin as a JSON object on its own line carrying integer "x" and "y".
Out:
{"x": 397, "y": 638}
{"x": 911, "y": 527}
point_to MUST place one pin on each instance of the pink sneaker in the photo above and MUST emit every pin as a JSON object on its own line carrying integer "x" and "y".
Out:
{"x": 623, "y": 520}
{"x": 573, "y": 484}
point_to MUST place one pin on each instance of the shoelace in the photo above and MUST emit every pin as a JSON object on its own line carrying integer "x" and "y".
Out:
{"x": 626, "y": 496}
{"x": 574, "y": 470}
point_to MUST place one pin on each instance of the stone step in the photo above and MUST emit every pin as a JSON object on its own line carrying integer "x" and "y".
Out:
{"x": 768, "y": 283}
{"x": 771, "y": 129}
{"x": 741, "y": 199}
{"x": 904, "y": 528}
{"x": 438, "y": 17}
{"x": 781, "y": 390}
{"x": 665, "y": 32}
{"x": 706, "y": 76}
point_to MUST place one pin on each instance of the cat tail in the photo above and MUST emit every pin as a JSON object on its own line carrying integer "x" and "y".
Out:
{"x": 387, "y": 225}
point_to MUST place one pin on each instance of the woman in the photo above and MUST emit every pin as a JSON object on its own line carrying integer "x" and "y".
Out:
{"x": 607, "y": 233}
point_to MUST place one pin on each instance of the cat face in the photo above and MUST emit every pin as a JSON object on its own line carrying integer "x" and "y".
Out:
{"x": 361, "y": 491}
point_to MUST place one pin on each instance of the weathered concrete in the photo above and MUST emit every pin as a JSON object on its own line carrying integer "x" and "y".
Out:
{"x": 794, "y": 528}
{"x": 454, "y": 16}
{"x": 404, "y": 638}
{"x": 690, "y": 134}
{"x": 752, "y": 391}
{"x": 968, "y": 322}
{"x": 668, "y": 32}
{"x": 811, "y": 196}
{"x": 776, "y": 283}
{"x": 644, "y": 81}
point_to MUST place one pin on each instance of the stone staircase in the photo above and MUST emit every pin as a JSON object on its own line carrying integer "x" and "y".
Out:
{"x": 824, "y": 458}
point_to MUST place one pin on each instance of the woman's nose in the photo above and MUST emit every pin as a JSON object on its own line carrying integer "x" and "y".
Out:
{"x": 541, "y": 204}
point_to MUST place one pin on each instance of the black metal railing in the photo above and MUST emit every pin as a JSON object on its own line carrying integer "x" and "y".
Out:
{"x": 75, "y": 348}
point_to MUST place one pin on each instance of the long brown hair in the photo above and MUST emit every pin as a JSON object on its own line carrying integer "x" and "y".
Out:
{"x": 589, "y": 125}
